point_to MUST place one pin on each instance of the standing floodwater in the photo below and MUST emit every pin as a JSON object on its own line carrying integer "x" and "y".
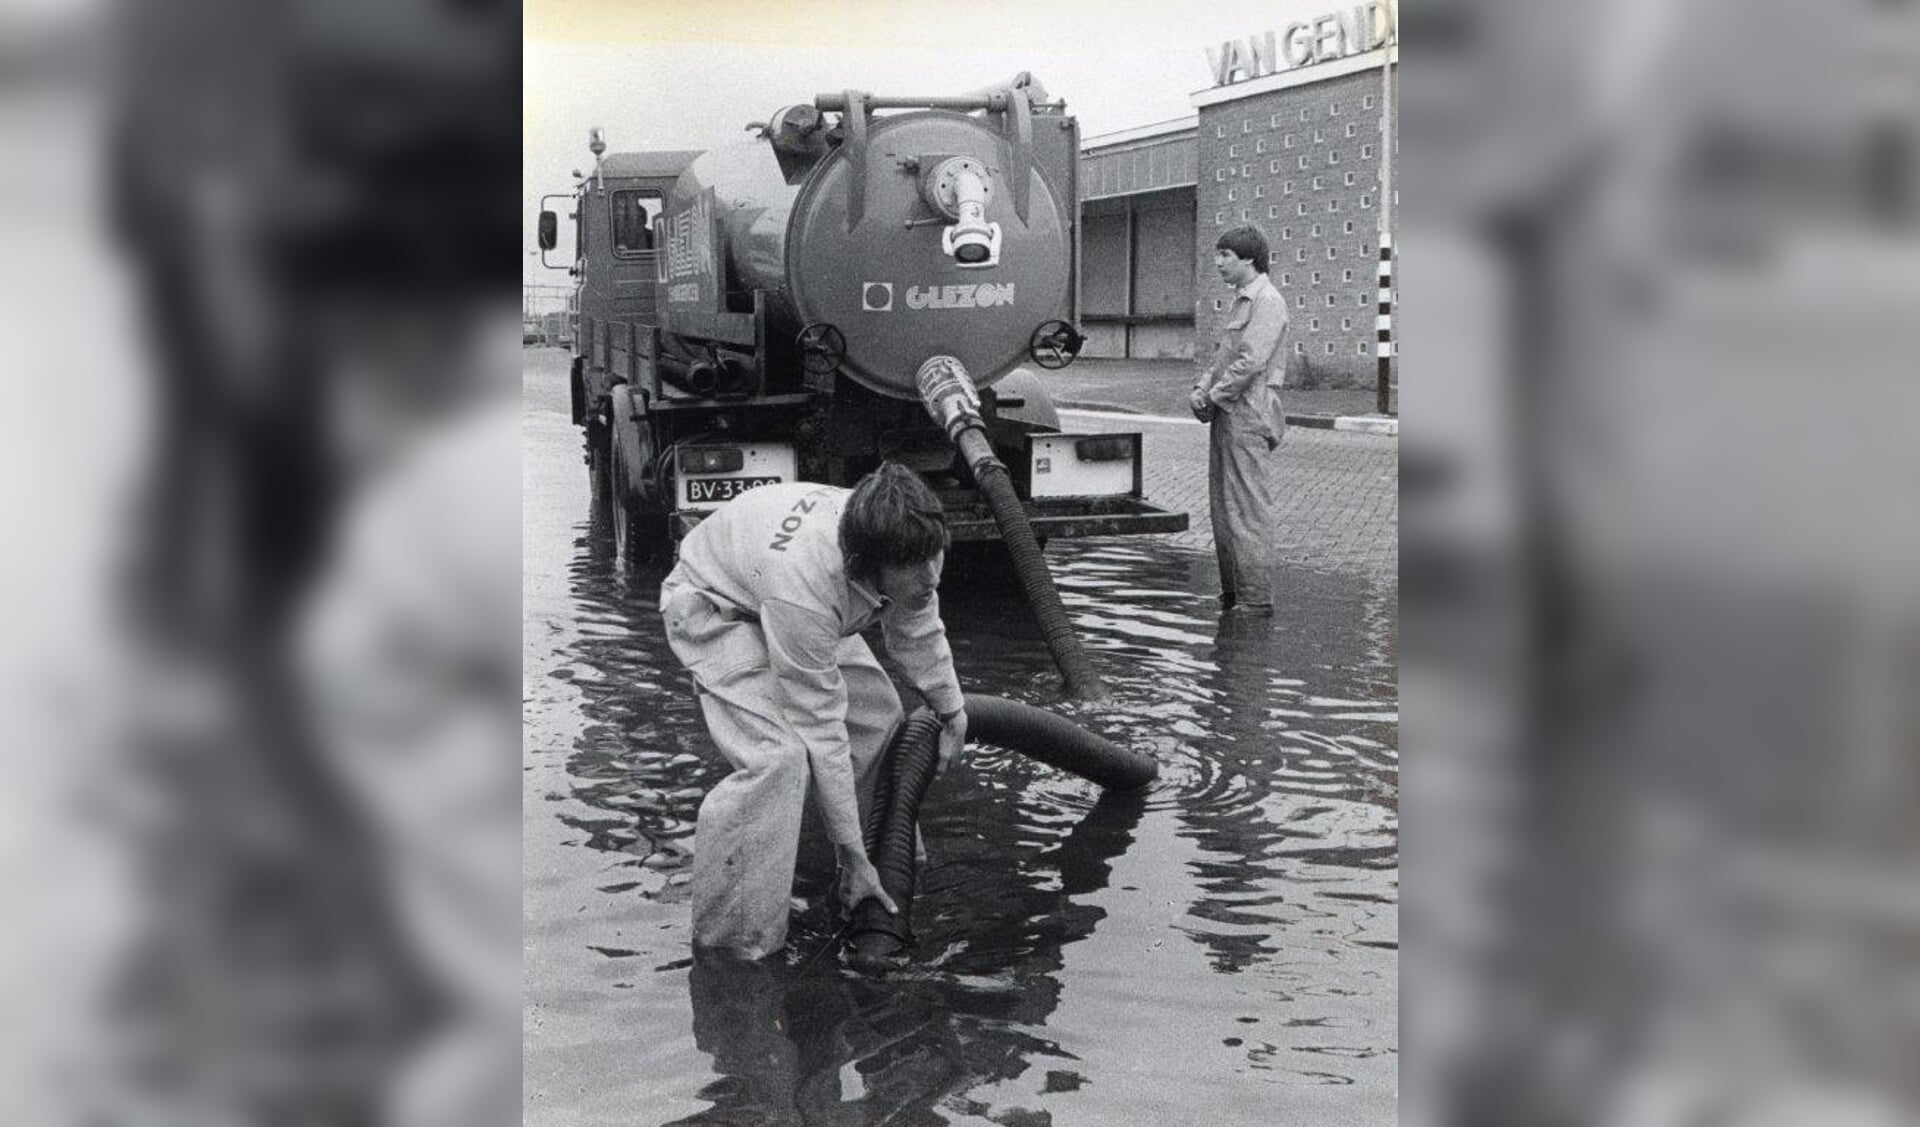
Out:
{"x": 1220, "y": 950}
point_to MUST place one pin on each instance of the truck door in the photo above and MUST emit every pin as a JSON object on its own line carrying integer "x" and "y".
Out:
{"x": 634, "y": 255}
{"x": 631, "y": 284}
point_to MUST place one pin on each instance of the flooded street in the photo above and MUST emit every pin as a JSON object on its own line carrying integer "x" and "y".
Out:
{"x": 1221, "y": 950}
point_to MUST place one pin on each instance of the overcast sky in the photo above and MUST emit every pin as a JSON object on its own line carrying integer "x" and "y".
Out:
{"x": 667, "y": 74}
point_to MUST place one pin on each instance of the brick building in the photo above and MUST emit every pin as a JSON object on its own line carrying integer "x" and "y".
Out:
{"x": 1301, "y": 161}
{"x": 1296, "y": 152}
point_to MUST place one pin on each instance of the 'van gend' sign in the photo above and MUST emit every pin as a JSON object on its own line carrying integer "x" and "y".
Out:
{"x": 1332, "y": 36}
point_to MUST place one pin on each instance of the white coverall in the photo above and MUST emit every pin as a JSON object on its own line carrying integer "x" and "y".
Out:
{"x": 409, "y": 651}
{"x": 1243, "y": 384}
{"x": 761, "y": 611}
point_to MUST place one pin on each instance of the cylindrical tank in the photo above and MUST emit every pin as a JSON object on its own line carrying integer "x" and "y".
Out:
{"x": 886, "y": 282}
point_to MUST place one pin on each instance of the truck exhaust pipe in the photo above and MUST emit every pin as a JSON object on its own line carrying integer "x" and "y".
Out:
{"x": 950, "y": 397}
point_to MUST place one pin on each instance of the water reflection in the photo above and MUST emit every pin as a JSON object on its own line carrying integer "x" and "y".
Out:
{"x": 640, "y": 765}
{"x": 1075, "y": 951}
{"x": 834, "y": 1047}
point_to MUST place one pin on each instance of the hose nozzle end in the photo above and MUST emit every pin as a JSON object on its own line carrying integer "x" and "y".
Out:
{"x": 949, "y": 395}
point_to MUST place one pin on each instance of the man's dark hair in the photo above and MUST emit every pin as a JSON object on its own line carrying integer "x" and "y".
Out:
{"x": 1247, "y": 242}
{"x": 892, "y": 519}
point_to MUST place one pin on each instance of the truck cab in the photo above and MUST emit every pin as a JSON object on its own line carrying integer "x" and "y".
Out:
{"x": 615, "y": 267}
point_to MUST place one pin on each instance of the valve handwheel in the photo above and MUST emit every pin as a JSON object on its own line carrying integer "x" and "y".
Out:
{"x": 822, "y": 348}
{"x": 1054, "y": 345}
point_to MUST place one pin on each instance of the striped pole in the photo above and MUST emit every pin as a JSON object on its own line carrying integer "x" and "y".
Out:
{"x": 1383, "y": 323}
{"x": 1383, "y": 350}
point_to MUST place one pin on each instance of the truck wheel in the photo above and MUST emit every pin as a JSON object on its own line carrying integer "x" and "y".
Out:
{"x": 638, "y": 532}
{"x": 600, "y": 475}
{"x": 577, "y": 390}
{"x": 646, "y": 535}
{"x": 623, "y": 538}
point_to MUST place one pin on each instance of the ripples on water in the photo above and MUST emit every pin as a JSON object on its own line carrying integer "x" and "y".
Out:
{"x": 1221, "y": 950}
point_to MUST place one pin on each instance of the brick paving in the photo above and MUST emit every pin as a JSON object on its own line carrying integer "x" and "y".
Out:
{"x": 1159, "y": 387}
{"x": 1339, "y": 492}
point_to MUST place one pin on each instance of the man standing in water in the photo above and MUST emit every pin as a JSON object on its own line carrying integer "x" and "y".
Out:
{"x": 765, "y": 609}
{"x": 1239, "y": 396}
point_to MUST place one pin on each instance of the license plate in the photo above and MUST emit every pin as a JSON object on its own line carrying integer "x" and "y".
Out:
{"x": 701, "y": 490}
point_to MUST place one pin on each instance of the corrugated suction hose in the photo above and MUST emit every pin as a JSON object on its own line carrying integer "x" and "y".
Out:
{"x": 1057, "y": 742}
{"x": 877, "y": 940}
{"x": 950, "y": 397}
{"x": 996, "y": 485}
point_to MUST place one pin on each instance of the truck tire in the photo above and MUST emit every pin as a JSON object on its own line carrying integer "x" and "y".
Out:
{"x": 619, "y": 503}
{"x": 600, "y": 475}
{"x": 639, "y": 531}
{"x": 577, "y": 390}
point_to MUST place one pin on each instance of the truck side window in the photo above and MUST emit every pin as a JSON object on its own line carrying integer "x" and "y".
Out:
{"x": 633, "y": 213}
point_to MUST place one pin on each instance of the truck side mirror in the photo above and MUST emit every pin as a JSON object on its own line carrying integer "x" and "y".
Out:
{"x": 549, "y": 230}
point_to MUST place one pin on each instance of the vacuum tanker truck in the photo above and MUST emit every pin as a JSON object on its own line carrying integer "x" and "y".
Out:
{"x": 863, "y": 278}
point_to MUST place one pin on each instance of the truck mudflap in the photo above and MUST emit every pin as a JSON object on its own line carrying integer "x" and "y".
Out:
{"x": 970, "y": 520}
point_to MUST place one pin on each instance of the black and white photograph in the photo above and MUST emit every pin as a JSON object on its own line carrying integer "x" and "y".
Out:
{"x": 919, "y": 624}
{"x": 961, "y": 565}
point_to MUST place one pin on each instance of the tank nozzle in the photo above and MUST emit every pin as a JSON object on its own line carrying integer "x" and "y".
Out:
{"x": 949, "y": 395}
{"x": 960, "y": 188}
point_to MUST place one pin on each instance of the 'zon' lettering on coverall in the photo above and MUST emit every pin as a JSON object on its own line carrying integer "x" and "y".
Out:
{"x": 791, "y": 525}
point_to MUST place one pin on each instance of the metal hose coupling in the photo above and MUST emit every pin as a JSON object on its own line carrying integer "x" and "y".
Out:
{"x": 949, "y": 395}
{"x": 959, "y": 187}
